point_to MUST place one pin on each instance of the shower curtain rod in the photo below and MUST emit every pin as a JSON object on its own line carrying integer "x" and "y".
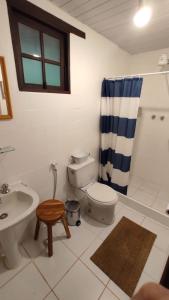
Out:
{"x": 139, "y": 75}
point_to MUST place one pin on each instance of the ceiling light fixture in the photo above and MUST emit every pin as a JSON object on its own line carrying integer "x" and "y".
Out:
{"x": 142, "y": 16}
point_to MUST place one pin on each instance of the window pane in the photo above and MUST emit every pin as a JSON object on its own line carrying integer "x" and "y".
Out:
{"x": 51, "y": 47}
{"x": 52, "y": 74}
{"x": 32, "y": 71}
{"x": 30, "y": 40}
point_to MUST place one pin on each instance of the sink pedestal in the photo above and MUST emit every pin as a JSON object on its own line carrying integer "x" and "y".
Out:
{"x": 15, "y": 207}
{"x": 10, "y": 247}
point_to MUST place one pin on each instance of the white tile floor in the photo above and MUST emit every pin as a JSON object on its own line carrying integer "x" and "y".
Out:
{"x": 70, "y": 274}
{"x": 148, "y": 193}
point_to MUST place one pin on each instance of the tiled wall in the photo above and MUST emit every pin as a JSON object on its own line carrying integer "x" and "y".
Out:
{"x": 151, "y": 149}
{"x": 49, "y": 127}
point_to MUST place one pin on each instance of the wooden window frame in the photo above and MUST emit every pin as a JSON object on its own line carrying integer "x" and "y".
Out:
{"x": 64, "y": 77}
{"x": 64, "y": 52}
{"x": 24, "y": 12}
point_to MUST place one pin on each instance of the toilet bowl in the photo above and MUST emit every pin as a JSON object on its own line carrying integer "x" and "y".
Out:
{"x": 101, "y": 201}
{"x": 100, "y": 198}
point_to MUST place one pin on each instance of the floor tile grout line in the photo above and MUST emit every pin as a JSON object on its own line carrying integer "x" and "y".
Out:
{"x": 144, "y": 218}
{"x": 47, "y": 295}
{"x": 155, "y": 198}
{"x": 55, "y": 295}
{"x": 112, "y": 292}
{"x": 51, "y": 291}
{"x": 149, "y": 193}
{"x": 88, "y": 246}
{"x": 90, "y": 229}
{"x": 61, "y": 241}
{"x": 158, "y": 223}
{"x": 144, "y": 182}
{"x": 102, "y": 293}
{"x": 140, "y": 202}
{"x": 156, "y": 246}
{"x": 26, "y": 250}
{"x": 19, "y": 271}
{"x": 33, "y": 262}
{"x": 26, "y": 264}
{"x": 51, "y": 288}
{"x": 65, "y": 274}
{"x": 149, "y": 275}
{"x": 78, "y": 256}
{"x": 92, "y": 272}
{"x": 99, "y": 233}
{"x": 162, "y": 250}
{"x": 106, "y": 287}
{"x": 33, "y": 258}
{"x": 67, "y": 247}
{"x": 141, "y": 187}
{"x": 87, "y": 268}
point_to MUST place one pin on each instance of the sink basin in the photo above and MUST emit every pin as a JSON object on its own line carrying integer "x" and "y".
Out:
{"x": 15, "y": 206}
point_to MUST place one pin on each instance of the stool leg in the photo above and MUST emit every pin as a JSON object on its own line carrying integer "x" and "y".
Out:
{"x": 37, "y": 229}
{"x": 50, "y": 240}
{"x": 65, "y": 224}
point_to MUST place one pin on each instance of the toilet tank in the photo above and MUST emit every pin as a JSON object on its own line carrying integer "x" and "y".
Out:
{"x": 82, "y": 174}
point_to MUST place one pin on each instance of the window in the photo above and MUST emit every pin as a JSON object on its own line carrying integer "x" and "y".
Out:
{"x": 41, "y": 56}
{"x": 41, "y": 48}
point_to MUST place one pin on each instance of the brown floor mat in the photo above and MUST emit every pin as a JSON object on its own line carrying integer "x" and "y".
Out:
{"x": 123, "y": 254}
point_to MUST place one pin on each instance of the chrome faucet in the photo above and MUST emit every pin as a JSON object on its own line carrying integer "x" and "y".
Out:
{"x": 4, "y": 188}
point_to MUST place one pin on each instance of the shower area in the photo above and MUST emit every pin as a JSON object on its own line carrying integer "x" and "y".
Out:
{"x": 134, "y": 144}
{"x": 149, "y": 173}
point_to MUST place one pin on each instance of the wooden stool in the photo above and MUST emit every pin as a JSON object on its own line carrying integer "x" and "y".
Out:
{"x": 50, "y": 212}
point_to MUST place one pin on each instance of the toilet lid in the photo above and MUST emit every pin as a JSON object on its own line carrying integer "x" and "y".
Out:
{"x": 102, "y": 193}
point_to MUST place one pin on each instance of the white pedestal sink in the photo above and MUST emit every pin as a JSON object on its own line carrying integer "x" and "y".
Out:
{"x": 15, "y": 206}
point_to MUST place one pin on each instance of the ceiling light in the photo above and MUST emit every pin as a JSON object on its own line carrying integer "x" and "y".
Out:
{"x": 142, "y": 16}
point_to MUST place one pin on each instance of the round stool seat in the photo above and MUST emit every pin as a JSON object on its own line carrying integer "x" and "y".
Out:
{"x": 50, "y": 211}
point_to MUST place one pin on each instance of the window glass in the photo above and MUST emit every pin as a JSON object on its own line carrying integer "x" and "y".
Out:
{"x": 41, "y": 51}
{"x": 32, "y": 71}
{"x": 29, "y": 40}
{"x": 52, "y": 74}
{"x": 51, "y": 48}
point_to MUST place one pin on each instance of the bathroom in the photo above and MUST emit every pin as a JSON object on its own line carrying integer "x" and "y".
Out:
{"x": 49, "y": 127}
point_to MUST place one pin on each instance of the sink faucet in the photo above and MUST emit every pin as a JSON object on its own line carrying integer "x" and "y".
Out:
{"x": 4, "y": 188}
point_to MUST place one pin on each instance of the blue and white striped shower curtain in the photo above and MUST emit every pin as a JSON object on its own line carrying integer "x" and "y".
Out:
{"x": 119, "y": 109}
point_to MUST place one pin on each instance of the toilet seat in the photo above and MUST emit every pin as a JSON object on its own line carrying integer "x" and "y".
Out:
{"x": 102, "y": 194}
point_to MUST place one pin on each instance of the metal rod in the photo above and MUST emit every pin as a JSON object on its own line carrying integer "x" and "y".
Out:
{"x": 54, "y": 170}
{"x": 140, "y": 75}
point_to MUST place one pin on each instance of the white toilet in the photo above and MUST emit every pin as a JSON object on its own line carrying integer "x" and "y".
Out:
{"x": 101, "y": 199}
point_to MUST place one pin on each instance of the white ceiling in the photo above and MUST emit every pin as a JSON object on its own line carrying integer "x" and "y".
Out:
{"x": 113, "y": 19}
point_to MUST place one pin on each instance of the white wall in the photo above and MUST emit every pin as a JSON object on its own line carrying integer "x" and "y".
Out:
{"x": 151, "y": 150}
{"x": 49, "y": 127}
